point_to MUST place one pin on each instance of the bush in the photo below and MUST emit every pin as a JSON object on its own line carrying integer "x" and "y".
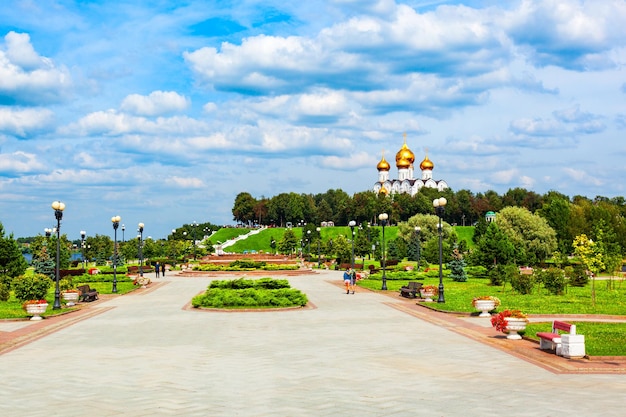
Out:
{"x": 4, "y": 292}
{"x": 523, "y": 283}
{"x": 553, "y": 280}
{"x": 6, "y": 280}
{"x": 33, "y": 287}
{"x": 577, "y": 275}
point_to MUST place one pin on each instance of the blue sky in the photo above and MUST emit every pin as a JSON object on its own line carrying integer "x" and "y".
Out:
{"x": 163, "y": 111}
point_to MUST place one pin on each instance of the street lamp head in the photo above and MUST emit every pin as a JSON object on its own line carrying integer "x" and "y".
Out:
{"x": 383, "y": 216}
{"x": 116, "y": 219}
{"x": 319, "y": 229}
{"x": 418, "y": 229}
{"x": 440, "y": 202}
{"x": 352, "y": 223}
{"x": 82, "y": 234}
{"x": 141, "y": 227}
{"x": 58, "y": 206}
{"x": 123, "y": 227}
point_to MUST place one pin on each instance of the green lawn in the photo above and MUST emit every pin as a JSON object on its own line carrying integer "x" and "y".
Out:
{"x": 601, "y": 339}
{"x": 12, "y": 309}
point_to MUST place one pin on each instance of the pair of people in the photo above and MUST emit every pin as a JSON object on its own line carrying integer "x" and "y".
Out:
{"x": 349, "y": 280}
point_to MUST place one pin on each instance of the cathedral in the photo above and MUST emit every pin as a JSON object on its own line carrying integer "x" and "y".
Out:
{"x": 406, "y": 183}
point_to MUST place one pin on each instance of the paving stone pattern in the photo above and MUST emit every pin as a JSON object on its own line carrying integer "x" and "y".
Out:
{"x": 351, "y": 355}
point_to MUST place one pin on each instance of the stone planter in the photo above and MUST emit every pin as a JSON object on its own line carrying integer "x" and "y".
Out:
{"x": 484, "y": 306}
{"x": 35, "y": 310}
{"x": 514, "y": 325}
{"x": 427, "y": 295}
{"x": 70, "y": 298}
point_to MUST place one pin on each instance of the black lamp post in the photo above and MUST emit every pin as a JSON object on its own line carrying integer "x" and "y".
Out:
{"x": 369, "y": 239}
{"x": 123, "y": 230}
{"x": 195, "y": 227}
{"x": 82, "y": 246}
{"x": 116, "y": 223}
{"x": 419, "y": 246}
{"x": 383, "y": 220}
{"x": 58, "y": 208}
{"x": 352, "y": 223}
{"x": 140, "y": 230}
{"x": 308, "y": 244}
{"x": 319, "y": 247}
{"x": 440, "y": 204}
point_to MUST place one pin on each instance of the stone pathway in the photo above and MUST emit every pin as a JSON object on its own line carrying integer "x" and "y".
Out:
{"x": 367, "y": 354}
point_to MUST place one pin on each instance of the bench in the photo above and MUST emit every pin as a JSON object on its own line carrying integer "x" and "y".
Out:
{"x": 410, "y": 290}
{"x": 87, "y": 294}
{"x": 569, "y": 345}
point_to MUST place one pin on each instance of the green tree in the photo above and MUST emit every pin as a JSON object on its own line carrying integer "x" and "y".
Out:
{"x": 590, "y": 255}
{"x": 457, "y": 266}
{"x": 12, "y": 262}
{"x": 493, "y": 248}
{"x": 243, "y": 209}
{"x": 289, "y": 242}
{"x": 533, "y": 239}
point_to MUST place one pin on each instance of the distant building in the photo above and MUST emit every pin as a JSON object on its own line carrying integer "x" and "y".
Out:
{"x": 490, "y": 216}
{"x": 406, "y": 183}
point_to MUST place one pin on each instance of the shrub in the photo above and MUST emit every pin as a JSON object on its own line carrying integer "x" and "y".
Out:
{"x": 33, "y": 287}
{"x": 496, "y": 275}
{"x": 553, "y": 280}
{"x": 577, "y": 275}
{"x": 66, "y": 283}
{"x": 523, "y": 283}
{"x": 4, "y": 292}
{"x": 6, "y": 280}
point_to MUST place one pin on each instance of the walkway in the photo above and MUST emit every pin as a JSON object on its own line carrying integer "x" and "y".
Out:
{"x": 367, "y": 354}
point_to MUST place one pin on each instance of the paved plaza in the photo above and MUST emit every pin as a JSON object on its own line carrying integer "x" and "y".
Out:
{"x": 367, "y": 354}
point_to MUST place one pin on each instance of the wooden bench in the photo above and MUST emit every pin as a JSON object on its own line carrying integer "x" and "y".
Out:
{"x": 410, "y": 290}
{"x": 569, "y": 345}
{"x": 87, "y": 294}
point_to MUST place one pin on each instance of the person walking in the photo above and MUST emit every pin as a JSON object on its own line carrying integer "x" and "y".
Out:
{"x": 347, "y": 279}
{"x": 156, "y": 269}
{"x": 163, "y": 270}
{"x": 353, "y": 281}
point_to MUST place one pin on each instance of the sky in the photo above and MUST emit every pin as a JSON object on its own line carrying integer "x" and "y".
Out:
{"x": 162, "y": 112}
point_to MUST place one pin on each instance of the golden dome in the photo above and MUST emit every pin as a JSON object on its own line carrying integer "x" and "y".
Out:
{"x": 383, "y": 190}
{"x": 427, "y": 164}
{"x": 403, "y": 163}
{"x": 383, "y": 165}
{"x": 405, "y": 154}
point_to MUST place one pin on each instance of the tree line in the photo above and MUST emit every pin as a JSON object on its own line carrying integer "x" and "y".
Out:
{"x": 598, "y": 218}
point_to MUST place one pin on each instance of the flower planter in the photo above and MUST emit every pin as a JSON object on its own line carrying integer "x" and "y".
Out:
{"x": 70, "y": 298}
{"x": 514, "y": 325}
{"x": 484, "y": 306}
{"x": 35, "y": 310}
{"x": 427, "y": 296}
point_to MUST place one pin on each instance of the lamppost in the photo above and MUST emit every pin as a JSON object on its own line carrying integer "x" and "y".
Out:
{"x": 140, "y": 230}
{"x": 369, "y": 239}
{"x": 308, "y": 244}
{"x": 123, "y": 230}
{"x": 419, "y": 246}
{"x": 383, "y": 220}
{"x": 195, "y": 227}
{"x": 319, "y": 247}
{"x": 82, "y": 246}
{"x": 58, "y": 208}
{"x": 116, "y": 223}
{"x": 440, "y": 204}
{"x": 352, "y": 223}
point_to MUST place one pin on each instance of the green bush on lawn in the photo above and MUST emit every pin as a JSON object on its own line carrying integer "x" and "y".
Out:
{"x": 243, "y": 293}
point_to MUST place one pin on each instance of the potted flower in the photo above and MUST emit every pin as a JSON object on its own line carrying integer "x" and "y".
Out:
{"x": 511, "y": 322}
{"x": 485, "y": 304}
{"x": 35, "y": 308}
{"x": 428, "y": 292}
{"x": 70, "y": 296}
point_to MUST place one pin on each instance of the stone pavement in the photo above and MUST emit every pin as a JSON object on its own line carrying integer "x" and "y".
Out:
{"x": 367, "y": 354}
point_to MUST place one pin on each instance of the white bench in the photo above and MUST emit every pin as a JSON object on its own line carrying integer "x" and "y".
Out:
{"x": 568, "y": 345}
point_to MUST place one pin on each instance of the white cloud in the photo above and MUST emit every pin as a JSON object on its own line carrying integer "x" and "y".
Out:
{"x": 25, "y": 121}
{"x": 26, "y": 77}
{"x": 155, "y": 104}
{"x": 19, "y": 163}
{"x": 185, "y": 182}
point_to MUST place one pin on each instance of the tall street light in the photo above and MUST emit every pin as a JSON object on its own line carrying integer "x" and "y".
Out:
{"x": 58, "y": 208}
{"x": 82, "y": 246}
{"x": 440, "y": 205}
{"x": 383, "y": 220}
{"x": 419, "y": 246}
{"x": 308, "y": 244}
{"x": 195, "y": 227}
{"x": 352, "y": 223}
{"x": 140, "y": 230}
{"x": 319, "y": 247}
{"x": 116, "y": 223}
{"x": 123, "y": 230}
